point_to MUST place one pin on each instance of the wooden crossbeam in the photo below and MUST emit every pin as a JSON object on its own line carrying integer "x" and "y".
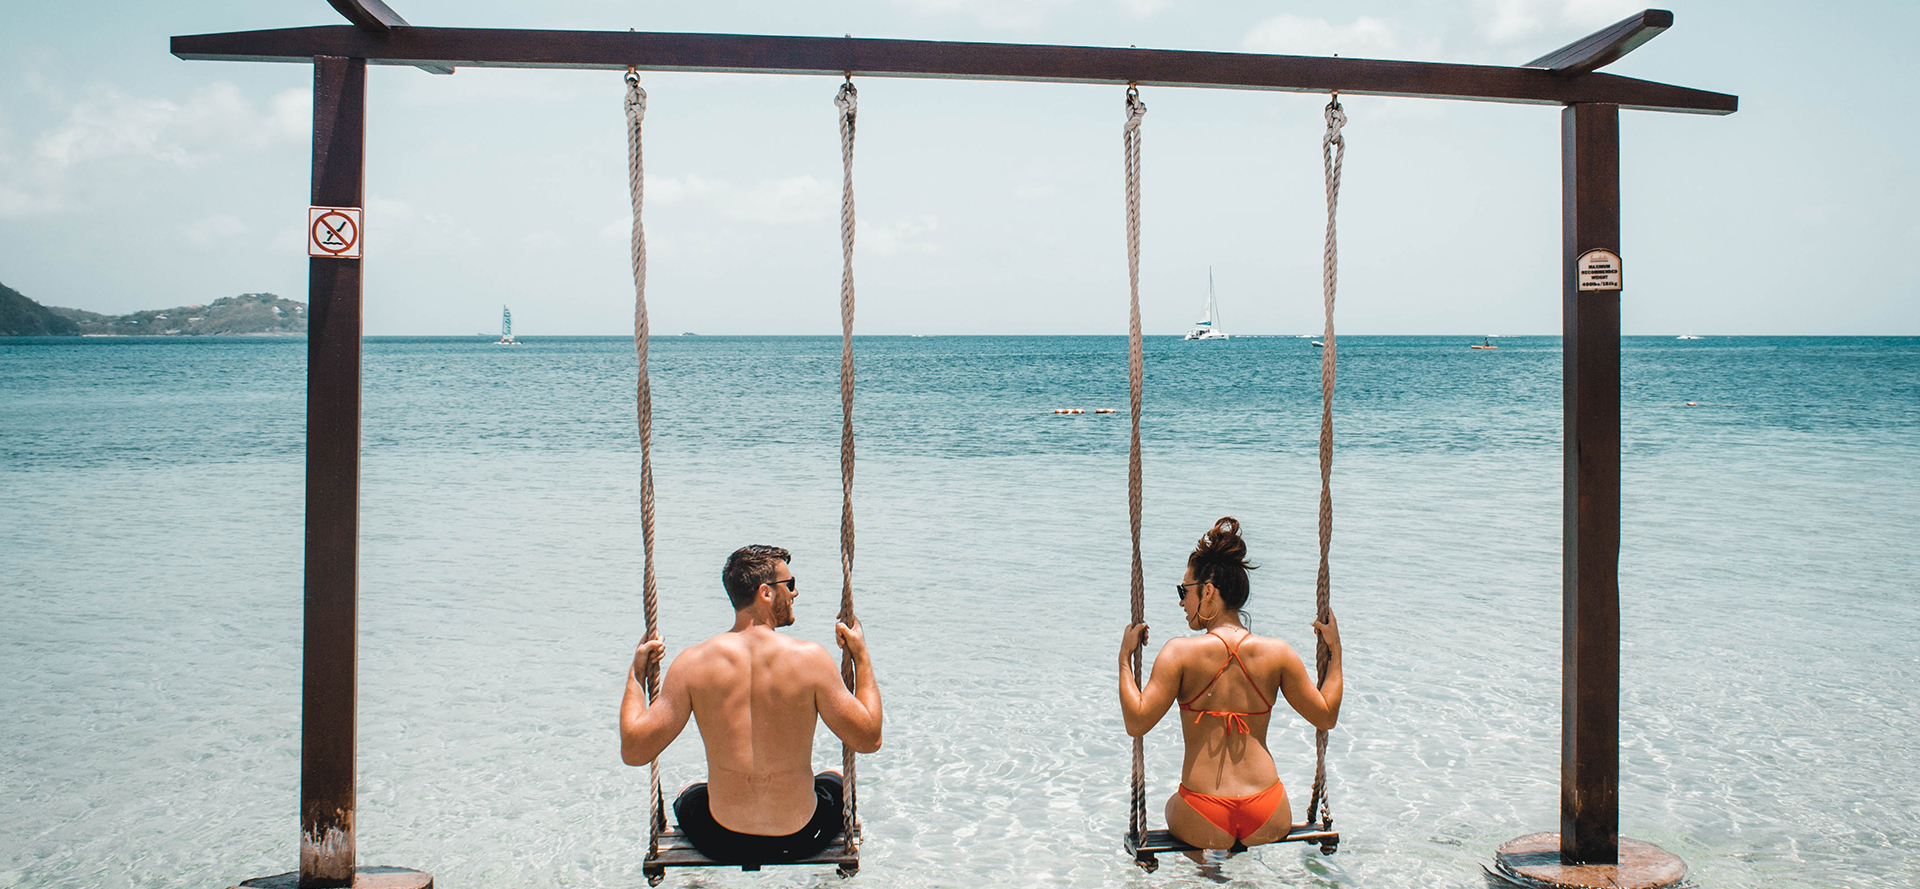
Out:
{"x": 677, "y": 851}
{"x": 835, "y": 56}
{"x": 1605, "y": 46}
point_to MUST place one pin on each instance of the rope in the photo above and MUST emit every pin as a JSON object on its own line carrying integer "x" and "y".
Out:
{"x": 1333, "y": 152}
{"x": 847, "y": 102}
{"x": 637, "y": 109}
{"x": 1130, "y": 144}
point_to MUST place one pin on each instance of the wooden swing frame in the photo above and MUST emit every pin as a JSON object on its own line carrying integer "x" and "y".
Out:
{"x": 1568, "y": 77}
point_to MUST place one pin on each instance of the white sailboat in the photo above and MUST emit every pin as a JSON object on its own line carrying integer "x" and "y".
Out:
{"x": 1208, "y": 327}
{"x": 506, "y": 329}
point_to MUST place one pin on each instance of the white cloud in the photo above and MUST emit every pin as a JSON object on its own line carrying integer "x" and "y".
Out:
{"x": 793, "y": 199}
{"x": 902, "y": 236}
{"x": 1304, "y": 36}
{"x": 770, "y": 201}
{"x": 212, "y": 231}
{"x": 620, "y": 228}
{"x": 1509, "y": 21}
{"x": 1004, "y": 14}
{"x": 110, "y": 129}
{"x": 395, "y": 224}
{"x": 1144, "y": 8}
{"x": 669, "y": 190}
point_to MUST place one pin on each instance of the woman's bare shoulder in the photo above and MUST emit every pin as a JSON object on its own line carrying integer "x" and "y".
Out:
{"x": 1185, "y": 646}
{"x": 1268, "y": 646}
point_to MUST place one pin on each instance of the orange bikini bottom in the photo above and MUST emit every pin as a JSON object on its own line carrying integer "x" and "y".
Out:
{"x": 1237, "y": 815}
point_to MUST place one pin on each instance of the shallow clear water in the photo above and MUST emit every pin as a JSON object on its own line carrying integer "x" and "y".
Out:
{"x": 150, "y": 613}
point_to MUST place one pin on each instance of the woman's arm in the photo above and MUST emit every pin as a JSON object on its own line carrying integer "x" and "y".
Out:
{"x": 1142, "y": 709}
{"x": 1318, "y": 705}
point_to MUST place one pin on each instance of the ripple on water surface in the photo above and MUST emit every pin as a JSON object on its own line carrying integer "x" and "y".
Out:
{"x": 149, "y": 628}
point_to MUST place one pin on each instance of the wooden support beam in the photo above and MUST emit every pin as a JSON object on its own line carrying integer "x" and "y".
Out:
{"x": 1590, "y": 594}
{"x": 834, "y": 56}
{"x": 330, "y": 682}
{"x": 371, "y": 16}
{"x": 375, "y": 17}
{"x": 1605, "y": 46}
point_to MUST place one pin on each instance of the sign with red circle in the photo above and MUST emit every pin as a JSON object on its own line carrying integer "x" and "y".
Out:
{"x": 333, "y": 232}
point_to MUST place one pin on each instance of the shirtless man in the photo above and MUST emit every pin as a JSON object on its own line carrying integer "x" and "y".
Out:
{"x": 756, "y": 694}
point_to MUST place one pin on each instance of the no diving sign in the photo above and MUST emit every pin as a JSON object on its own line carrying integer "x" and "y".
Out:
{"x": 333, "y": 232}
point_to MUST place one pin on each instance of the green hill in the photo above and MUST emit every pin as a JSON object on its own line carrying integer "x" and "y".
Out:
{"x": 20, "y": 316}
{"x": 249, "y": 314}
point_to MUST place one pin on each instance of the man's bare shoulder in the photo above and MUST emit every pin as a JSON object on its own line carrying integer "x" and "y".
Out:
{"x": 733, "y": 648}
{"x": 723, "y": 650}
{"x": 803, "y": 653}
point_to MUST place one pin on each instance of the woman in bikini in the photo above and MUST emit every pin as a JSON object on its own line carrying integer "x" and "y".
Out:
{"x": 1226, "y": 681}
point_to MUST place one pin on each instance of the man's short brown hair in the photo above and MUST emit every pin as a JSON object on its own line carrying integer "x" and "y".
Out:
{"x": 747, "y": 569}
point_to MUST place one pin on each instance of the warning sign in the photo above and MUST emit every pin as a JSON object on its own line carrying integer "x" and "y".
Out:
{"x": 333, "y": 232}
{"x": 1598, "y": 270}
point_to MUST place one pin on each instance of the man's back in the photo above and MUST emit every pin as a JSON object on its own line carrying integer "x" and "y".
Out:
{"x": 756, "y": 695}
{"x": 753, "y": 694}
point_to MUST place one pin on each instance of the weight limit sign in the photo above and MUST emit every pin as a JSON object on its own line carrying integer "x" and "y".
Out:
{"x": 333, "y": 232}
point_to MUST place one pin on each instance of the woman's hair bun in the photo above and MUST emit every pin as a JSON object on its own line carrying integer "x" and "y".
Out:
{"x": 1222, "y": 542}
{"x": 1220, "y": 558}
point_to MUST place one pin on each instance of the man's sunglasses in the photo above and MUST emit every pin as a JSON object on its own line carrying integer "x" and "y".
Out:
{"x": 793, "y": 584}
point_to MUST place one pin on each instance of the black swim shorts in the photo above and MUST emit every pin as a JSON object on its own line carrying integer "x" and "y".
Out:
{"x": 727, "y": 847}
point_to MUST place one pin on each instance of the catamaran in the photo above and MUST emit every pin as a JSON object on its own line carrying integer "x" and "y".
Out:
{"x": 506, "y": 329}
{"x": 1208, "y": 327}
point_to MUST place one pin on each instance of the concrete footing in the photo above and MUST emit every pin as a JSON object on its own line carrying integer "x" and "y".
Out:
{"x": 1534, "y": 861}
{"x": 363, "y": 878}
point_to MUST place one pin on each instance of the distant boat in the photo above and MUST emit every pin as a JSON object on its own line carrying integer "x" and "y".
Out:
{"x": 1319, "y": 345}
{"x": 506, "y": 329}
{"x": 1208, "y": 327}
{"x": 1484, "y": 343}
{"x": 1686, "y": 336}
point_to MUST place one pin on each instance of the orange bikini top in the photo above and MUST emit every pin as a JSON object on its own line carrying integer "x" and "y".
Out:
{"x": 1236, "y": 721}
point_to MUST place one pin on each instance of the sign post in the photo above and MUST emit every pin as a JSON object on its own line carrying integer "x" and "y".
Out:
{"x": 331, "y": 672}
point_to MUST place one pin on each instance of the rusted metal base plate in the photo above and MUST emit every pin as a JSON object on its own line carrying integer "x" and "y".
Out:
{"x": 363, "y": 878}
{"x": 1534, "y": 861}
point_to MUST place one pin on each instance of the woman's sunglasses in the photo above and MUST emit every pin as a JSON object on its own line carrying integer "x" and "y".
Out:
{"x": 1181, "y": 588}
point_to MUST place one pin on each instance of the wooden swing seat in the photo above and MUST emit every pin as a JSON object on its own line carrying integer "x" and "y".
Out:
{"x": 1158, "y": 842}
{"x": 677, "y": 851}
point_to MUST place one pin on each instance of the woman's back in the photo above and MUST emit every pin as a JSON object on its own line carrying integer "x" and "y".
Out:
{"x": 1229, "y": 680}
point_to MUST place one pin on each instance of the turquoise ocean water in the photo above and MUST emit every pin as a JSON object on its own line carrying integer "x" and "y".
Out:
{"x": 150, "y": 545}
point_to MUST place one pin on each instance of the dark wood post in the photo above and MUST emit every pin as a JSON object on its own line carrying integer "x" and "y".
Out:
{"x": 331, "y": 674}
{"x": 1590, "y": 627}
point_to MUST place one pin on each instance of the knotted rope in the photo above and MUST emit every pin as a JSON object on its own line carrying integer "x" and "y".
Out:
{"x": 848, "y": 103}
{"x": 649, "y": 590}
{"x": 1333, "y": 151}
{"x": 1130, "y": 144}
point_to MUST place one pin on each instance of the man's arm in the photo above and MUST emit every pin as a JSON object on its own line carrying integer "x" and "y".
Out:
{"x": 854, "y": 717}
{"x": 647, "y": 730}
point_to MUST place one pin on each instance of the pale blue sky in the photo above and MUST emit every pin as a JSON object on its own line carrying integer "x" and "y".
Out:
{"x": 130, "y": 179}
